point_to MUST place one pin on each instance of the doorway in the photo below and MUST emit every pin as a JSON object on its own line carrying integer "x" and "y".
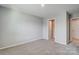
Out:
{"x": 75, "y": 30}
{"x": 51, "y": 29}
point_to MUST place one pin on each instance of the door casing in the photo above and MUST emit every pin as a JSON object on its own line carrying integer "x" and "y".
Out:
{"x": 51, "y": 29}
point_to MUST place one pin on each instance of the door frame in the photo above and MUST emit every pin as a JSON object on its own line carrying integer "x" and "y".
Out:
{"x": 54, "y": 21}
{"x": 71, "y": 28}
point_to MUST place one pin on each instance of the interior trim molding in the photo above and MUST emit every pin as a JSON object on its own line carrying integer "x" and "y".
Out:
{"x": 17, "y": 44}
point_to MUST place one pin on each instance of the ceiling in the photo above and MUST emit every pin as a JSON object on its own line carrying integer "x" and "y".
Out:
{"x": 46, "y": 11}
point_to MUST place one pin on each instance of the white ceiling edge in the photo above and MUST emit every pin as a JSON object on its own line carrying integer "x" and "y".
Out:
{"x": 47, "y": 11}
{"x": 17, "y": 9}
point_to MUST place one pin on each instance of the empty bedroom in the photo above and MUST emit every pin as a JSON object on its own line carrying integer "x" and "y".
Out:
{"x": 39, "y": 29}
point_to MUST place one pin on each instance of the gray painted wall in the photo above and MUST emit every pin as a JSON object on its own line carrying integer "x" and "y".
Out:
{"x": 60, "y": 28}
{"x": 17, "y": 27}
{"x": 76, "y": 14}
{"x": 45, "y": 28}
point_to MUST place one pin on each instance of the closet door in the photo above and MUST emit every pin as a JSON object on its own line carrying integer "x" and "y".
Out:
{"x": 75, "y": 30}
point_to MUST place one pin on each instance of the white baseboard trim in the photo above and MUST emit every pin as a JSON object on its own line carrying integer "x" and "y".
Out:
{"x": 60, "y": 42}
{"x": 17, "y": 44}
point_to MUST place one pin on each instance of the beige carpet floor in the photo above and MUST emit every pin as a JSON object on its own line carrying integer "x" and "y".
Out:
{"x": 41, "y": 47}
